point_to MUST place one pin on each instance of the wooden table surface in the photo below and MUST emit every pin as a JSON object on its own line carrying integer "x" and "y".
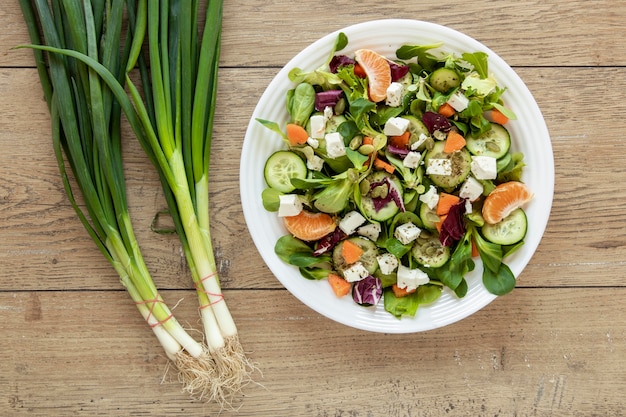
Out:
{"x": 73, "y": 344}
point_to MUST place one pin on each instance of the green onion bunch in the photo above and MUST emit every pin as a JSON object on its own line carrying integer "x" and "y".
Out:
{"x": 84, "y": 75}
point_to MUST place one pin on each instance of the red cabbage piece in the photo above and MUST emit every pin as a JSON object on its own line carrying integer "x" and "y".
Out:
{"x": 453, "y": 227}
{"x": 329, "y": 241}
{"x": 402, "y": 152}
{"x": 393, "y": 194}
{"x": 328, "y": 98}
{"x": 398, "y": 71}
{"x": 435, "y": 121}
{"x": 339, "y": 61}
{"x": 368, "y": 291}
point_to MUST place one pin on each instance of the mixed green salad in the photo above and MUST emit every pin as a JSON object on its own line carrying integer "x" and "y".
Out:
{"x": 393, "y": 196}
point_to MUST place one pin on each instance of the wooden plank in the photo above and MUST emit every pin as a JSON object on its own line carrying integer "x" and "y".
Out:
{"x": 534, "y": 352}
{"x": 261, "y": 33}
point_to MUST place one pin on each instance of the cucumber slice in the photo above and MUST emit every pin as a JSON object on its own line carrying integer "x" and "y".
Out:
{"x": 444, "y": 79}
{"x": 495, "y": 142}
{"x": 281, "y": 167}
{"x": 461, "y": 162}
{"x": 388, "y": 210}
{"x": 509, "y": 230}
{"x": 429, "y": 217}
{"x": 416, "y": 129}
{"x": 428, "y": 250}
{"x": 368, "y": 258}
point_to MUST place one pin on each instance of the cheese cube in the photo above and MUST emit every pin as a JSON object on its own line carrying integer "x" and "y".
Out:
{"x": 328, "y": 113}
{"x": 387, "y": 263}
{"x": 396, "y": 126}
{"x": 289, "y": 205}
{"x": 430, "y": 197}
{"x": 395, "y": 91}
{"x": 471, "y": 189}
{"x": 484, "y": 167}
{"x": 407, "y": 233}
{"x": 318, "y": 126}
{"x": 458, "y": 101}
{"x": 439, "y": 166}
{"x": 315, "y": 163}
{"x": 356, "y": 272}
{"x": 370, "y": 231}
{"x": 420, "y": 140}
{"x": 410, "y": 279}
{"x": 334, "y": 145}
{"x": 351, "y": 221}
{"x": 313, "y": 143}
{"x": 412, "y": 159}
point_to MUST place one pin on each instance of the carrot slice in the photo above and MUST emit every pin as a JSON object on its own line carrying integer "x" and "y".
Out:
{"x": 498, "y": 117}
{"x": 351, "y": 252}
{"x": 446, "y": 110}
{"x": 380, "y": 164}
{"x": 401, "y": 292}
{"x": 454, "y": 142}
{"x": 340, "y": 286}
{"x": 368, "y": 140}
{"x": 401, "y": 141}
{"x": 296, "y": 134}
{"x": 445, "y": 202}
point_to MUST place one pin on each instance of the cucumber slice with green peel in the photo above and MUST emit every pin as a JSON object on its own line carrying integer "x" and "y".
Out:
{"x": 368, "y": 258}
{"x": 444, "y": 79}
{"x": 495, "y": 142}
{"x": 461, "y": 162}
{"x": 510, "y": 230}
{"x": 428, "y": 216}
{"x": 427, "y": 250}
{"x": 390, "y": 209}
{"x": 281, "y": 167}
{"x": 416, "y": 129}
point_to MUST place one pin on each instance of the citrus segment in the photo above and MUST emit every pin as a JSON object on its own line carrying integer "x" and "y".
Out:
{"x": 309, "y": 226}
{"x": 504, "y": 199}
{"x": 378, "y": 73}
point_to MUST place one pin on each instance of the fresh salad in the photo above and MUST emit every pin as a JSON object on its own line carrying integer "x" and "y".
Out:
{"x": 396, "y": 175}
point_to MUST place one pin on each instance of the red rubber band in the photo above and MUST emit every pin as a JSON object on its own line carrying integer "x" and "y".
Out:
{"x": 151, "y": 312}
{"x": 220, "y": 297}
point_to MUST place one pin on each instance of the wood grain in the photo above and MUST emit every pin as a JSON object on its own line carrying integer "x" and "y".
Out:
{"x": 73, "y": 344}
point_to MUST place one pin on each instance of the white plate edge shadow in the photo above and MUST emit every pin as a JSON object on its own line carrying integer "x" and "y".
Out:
{"x": 265, "y": 228}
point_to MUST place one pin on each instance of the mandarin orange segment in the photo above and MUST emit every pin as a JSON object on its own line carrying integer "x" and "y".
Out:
{"x": 378, "y": 73}
{"x": 310, "y": 226}
{"x": 504, "y": 199}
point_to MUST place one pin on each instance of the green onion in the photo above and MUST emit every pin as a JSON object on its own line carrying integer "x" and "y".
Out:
{"x": 173, "y": 121}
{"x": 86, "y": 135}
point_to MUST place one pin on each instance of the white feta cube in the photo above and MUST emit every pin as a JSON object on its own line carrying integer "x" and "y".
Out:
{"x": 315, "y": 163}
{"x": 412, "y": 159}
{"x": 387, "y": 262}
{"x": 313, "y": 143}
{"x": 395, "y": 91}
{"x": 420, "y": 140}
{"x": 410, "y": 279}
{"x": 356, "y": 272}
{"x": 407, "y": 233}
{"x": 458, "y": 101}
{"x": 370, "y": 231}
{"x": 430, "y": 197}
{"x": 334, "y": 145}
{"x": 484, "y": 167}
{"x": 439, "y": 166}
{"x": 328, "y": 113}
{"x": 468, "y": 207}
{"x": 289, "y": 205}
{"x": 318, "y": 126}
{"x": 396, "y": 126}
{"x": 471, "y": 189}
{"x": 351, "y": 221}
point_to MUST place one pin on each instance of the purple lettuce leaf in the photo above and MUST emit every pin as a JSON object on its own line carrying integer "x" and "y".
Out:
{"x": 453, "y": 227}
{"x": 393, "y": 194}
{"x": 328, "y": 98}
{"x": 329, "y": 241}
{"x": 435, "y": 121}
{"x": 397, "y": 151}
{"x": 339, "y": 61}
{"x": 368, "y": 291}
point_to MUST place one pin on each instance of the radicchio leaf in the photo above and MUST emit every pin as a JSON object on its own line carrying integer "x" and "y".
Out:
{"x": 339, "y": 61}
{"x": 435, "y": 121}
{"x": 393, "y": 194}
{"x": 329, "y": 241}
{"x": 453, "y": 227}
{"x": 398, "y": 71}
{"x": 328, "y": 98}
{"x": 397, "y": 151}
{"x": 368, "y": 291}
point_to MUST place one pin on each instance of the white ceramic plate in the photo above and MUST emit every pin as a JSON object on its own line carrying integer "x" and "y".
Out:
{"x": 529, "y": 135}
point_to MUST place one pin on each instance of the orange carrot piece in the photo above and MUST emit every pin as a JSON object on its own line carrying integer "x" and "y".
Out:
{"x": 401, "y": 141}
{"x": 446, "y": 110}
{"x": 401, "y": 292}
{"x": 475, "y": 253}
{"x": 498, "y": 117}
{"x": 351, "y": 252}
{"x": 368, "y": 140}
{"x": 296, "y": 134}
{"x": 439, "y": 224}
{"x": 380, "y": 164}
{"x": 340, "y": 286}
{"x": 445, "y": 202}
{"x": 454, "y": 142}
